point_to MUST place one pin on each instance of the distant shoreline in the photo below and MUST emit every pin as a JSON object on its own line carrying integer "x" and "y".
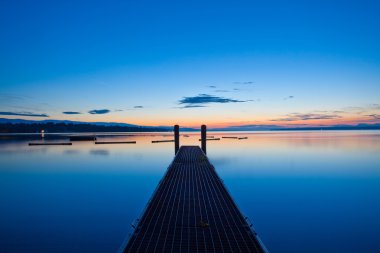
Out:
{"x": 36, "y": 127}
{"x": 139, "y": 133}
{"x": 72, "y": 128}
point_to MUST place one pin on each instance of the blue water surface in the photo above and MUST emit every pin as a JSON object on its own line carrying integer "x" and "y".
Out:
{"x": 303, "y": 191}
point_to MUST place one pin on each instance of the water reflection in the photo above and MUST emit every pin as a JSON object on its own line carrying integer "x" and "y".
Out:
{"x": 71, "y": 152}
{"x": 303, "y": 191}
{"x": 102, "y": 152}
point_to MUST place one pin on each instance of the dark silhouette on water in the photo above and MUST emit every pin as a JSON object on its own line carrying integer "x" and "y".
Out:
{"x": 51, "y": 127}
{"x": 115, "y": 142}
{"x": 203, "y": 138}
{"x": 176, "y": 139}
{"x": 159, "y": 141}
{"x": 49, "y": 143}
{"x": 211, "y": 139}
{"x": 82, "y": 138}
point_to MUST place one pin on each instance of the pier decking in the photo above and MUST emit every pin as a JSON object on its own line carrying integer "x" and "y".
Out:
{"x": 191, "y": 211}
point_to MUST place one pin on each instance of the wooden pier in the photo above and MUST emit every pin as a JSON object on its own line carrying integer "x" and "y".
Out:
{"x": 49, "y": 143}
{"x": 191, "y": 211}
{"x": 161, "y": 141}
{"x": 115, "y": 142}
{"x": 211, "y": 139}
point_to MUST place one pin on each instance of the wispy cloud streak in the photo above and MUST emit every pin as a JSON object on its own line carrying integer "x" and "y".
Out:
{"x": 26, "y": 114}
{"x": 375, "y": 116}
{"x": 206, "y": 99}
{"x": 101, "y": 111}
{"x": 246, "y": 82}
{"x": 288, "y": 97}
{"x": 71, "y": 113}
{"x": 191, "y": 106}
{"x": 307, "y": 116}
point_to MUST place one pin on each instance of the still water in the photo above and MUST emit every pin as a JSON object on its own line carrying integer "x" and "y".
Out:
{"x": 303, "y": 191}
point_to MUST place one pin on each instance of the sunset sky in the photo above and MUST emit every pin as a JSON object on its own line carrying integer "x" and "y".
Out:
{"x": 221, "y": 63}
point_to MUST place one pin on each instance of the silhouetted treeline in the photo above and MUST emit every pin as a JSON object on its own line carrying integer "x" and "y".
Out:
{"x": 66, "y": 128}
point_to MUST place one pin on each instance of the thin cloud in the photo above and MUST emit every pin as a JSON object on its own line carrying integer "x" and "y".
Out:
{"x": 191, "y": 106}
{"x": 254, "y": 125}
{"x": 212, "y": 86}
{"x": 375, "y": 106}
{"x": 26, "y": 114}
{"x": 307, "y": 116}
{"x": 71, "y": 113}
{"x": 246, "y": 82}
{"x": 101, "y": 111}
{"x": 222, "y": 91}
{"x": 206, "y": 99}
{"x": 368, "y": 109}
{"x": 288, "y": 97}
{"x": 138, "y": 107}
{"x": 375, "y": 116}
{"x": 10, "y": 97}
{"x": 355, "y": 109}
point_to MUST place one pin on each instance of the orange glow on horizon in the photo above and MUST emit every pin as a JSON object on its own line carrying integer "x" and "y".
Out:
{"x": 218, "y": 123}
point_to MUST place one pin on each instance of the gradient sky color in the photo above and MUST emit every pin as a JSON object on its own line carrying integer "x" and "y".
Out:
{"x": 222, "y": 63}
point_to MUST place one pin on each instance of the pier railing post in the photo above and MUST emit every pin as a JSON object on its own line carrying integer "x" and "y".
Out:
{"x": 176, "y": 139}
{"x": 203, "y": 137}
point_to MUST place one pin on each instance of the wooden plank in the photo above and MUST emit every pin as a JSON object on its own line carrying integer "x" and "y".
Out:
{"x": 159, "y": 141}
{"x": 115, "y": 142}
{"x": 49, "y": 143}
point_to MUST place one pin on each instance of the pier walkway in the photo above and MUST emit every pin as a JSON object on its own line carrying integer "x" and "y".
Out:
{"x": 191, "y": 211}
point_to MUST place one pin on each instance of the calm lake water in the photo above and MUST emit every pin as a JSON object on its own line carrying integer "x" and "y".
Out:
{"x": 303, "y": 191}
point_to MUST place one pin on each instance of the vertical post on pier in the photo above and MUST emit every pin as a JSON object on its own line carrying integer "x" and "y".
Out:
{"x": 203, "y": 137}
{"x": 176, "y": 139}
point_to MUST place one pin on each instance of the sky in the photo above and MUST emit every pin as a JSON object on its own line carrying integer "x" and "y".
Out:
{"x": 220, "y": 63}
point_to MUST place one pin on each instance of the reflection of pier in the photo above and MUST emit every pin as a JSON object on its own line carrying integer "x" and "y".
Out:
{"x": 191, "y": 210}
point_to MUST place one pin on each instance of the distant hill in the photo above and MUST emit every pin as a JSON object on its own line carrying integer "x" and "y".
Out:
{"x": 66, "y": 126}
{"x": 23, "y": 121}
{"x": 361, "y": 126}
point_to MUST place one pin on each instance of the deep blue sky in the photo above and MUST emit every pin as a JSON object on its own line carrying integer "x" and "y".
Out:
{"x": 302, "y": 57}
